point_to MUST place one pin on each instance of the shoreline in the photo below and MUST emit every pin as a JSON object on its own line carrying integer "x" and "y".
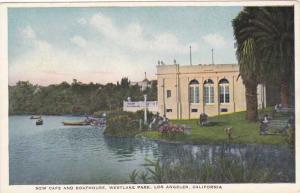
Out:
{"x": 215, "y": 136}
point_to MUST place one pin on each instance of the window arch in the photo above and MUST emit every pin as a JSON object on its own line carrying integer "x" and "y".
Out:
{"x": 223, "y": 81}
{"x": 208, "y": 91}
{"x": 194, "y": 91}
{"x": 194, "y": 81}
{"x": 208, "y": 81}
{"x": 224, "y": 91}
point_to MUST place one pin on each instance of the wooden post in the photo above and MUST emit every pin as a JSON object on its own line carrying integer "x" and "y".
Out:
{"x": 145, "y": 111}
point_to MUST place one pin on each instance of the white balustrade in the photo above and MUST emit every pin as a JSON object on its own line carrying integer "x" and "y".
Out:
{"x": 140, "y": 105}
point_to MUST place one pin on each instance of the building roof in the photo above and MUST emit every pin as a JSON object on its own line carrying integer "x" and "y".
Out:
{"x": 190, "y": 69}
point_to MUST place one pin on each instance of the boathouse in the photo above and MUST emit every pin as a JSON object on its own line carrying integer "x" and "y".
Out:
{"x": 185, "y": 91}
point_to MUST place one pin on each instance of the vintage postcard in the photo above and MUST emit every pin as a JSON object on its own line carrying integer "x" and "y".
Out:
{"x": 149, "y": 96}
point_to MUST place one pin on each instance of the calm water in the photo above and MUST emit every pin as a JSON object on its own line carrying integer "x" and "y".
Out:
{"x": 57, "y": 154}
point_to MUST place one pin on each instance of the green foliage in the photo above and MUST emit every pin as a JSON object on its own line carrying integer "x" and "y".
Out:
{"x": 144, "y": 177}
{"x": 133, "y": 176}
{"x": 155, "y": 169}
{"x": 124, "y": 124}
{"x": 151, "y": 92}
{"x": 290, "y": 138}
{"x": 139, "y": 176}
{"x": 265, "y": 42}
{"x": 77, "y": 98}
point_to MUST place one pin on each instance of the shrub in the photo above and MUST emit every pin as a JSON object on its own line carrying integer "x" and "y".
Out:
{"x": 125, "y": 124}
{"x": 168, "y": 130}
{"x": 290, "y": 138}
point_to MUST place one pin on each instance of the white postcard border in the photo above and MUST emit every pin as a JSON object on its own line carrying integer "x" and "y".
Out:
{"x": 246, "y": 188}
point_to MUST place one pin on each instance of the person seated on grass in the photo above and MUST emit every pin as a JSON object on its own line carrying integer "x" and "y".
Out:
{"x": 203, "y": 120}
{"x": 264, "y": 125}
{"x": 165, "y": 119}
{"x": 276, "y": 108}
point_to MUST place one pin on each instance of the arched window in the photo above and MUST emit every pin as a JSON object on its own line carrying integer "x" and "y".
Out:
{"x": 194, "y": 91}
{"x": 208, "y": 91}
{"x": 224, "y": 90}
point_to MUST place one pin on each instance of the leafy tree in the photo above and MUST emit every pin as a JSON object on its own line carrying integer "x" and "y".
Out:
{"x": 125, "y": 83}
{"x": 77, "y": 98}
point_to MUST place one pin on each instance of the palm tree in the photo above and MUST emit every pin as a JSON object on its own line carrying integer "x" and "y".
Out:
{"x": 273, "y": 31}
{"x": 248, "y": 59}
{"x": 265, "y": 51}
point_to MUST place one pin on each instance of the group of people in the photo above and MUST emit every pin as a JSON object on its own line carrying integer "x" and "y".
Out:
{"x": 95, "y": 121}
{"x": 158, "y": 121}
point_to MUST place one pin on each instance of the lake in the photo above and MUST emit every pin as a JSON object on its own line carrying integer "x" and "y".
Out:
{"x": 57, "y": 154}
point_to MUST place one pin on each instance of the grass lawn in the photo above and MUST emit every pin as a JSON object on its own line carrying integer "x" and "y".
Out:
{"x": 244, "y": 132}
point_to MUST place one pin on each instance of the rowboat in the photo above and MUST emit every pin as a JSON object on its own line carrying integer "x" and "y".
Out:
{"x": 87, "y": 121}
{"x": 39, "y": 122}
{"x": 81, "y": 123}
{"x": 35, "y": 117}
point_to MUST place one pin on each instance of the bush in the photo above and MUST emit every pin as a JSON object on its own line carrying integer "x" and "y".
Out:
{"x": 125, "y": 124}
{"x": 171, "y": 131}
{"x": 290, "y": 138}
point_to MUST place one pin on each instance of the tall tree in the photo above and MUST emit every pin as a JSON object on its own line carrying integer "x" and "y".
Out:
{"x": 273, "y": 30}
{"x": 265, "y": 50}
{"x": 248, "y": 60}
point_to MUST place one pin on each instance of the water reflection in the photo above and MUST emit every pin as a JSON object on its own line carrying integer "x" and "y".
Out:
{"x": 277, "y": 160}
{"x": 128, "y": 147}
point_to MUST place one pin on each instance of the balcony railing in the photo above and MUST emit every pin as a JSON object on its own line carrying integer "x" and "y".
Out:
{"x": 140, "y": 105}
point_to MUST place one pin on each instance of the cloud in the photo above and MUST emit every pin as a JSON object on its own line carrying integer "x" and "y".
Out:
{"x": 45, "y": 63}
{"x": 132, "y": 36}
{"x": 79, "y": 41}
{"x": 27, "y": 32}
{"x": 114, "y": 52}
{"x": 104, "y": 25}
{"x": 168, "y": 42}
{"x": 215, "y": 40}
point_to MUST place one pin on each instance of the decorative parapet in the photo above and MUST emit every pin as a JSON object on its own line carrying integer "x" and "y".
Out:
{"x": 200, "y": 68}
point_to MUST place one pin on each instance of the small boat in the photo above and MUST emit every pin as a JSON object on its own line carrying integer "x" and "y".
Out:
{"x": 39, "y": 122}
{"x": 35, "y": 117}
{"x": 80, "y": 123}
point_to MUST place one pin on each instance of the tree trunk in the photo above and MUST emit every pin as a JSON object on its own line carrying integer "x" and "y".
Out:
{"x": 251, "y": 101}
{"x": 284, "y": 92}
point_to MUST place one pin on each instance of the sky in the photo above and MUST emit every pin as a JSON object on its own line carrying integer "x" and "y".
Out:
{"x": 103, "y": 44}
